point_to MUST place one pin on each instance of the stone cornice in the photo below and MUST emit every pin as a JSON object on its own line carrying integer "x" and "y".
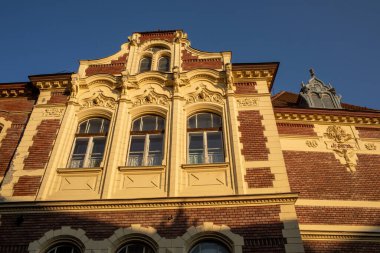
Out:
{"x": 12, "y": 90}
{"x": 51, "y": 81}
{"x": 309, "y": 115}
{"x": 340, "y": 236}
{"x": 146, "y": 204}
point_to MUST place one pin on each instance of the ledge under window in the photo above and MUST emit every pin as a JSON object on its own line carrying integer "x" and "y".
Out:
{"x": 204, "y": 165}
{"x": 141, "y": 168}
{"x": 79, "y": 170}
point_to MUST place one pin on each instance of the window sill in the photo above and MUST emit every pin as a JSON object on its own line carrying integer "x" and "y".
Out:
{"x": 79, "y": 170}
{"x": 141, "y": 168}
{"x": 204, "y": 165}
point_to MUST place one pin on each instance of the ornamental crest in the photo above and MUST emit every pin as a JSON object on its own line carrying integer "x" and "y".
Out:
{"x": 99, "y": 100}
{"x": 343, "y": 145}
{"x": 247, "y": 102}
{"x": 150, "y": 97}
{"x": 202, "y": 94}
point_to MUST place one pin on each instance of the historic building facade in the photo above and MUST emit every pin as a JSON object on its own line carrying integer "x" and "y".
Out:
{"x": 165, "y": 148}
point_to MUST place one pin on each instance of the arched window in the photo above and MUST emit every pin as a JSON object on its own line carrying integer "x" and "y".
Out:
{"x": 205, "y": 138}
{"x": 136, "y": 247}
{"x": 164, "y": 64}
{"x": 64, "y": 248}
{"x": 209, "y": 246}
{"x": 146, "y": 141}
{"x": 90, "y": 141}
{"x": 145, "y": 64}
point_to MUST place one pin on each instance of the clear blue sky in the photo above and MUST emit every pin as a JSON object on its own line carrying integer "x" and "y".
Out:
{"x": 340, "y": 39}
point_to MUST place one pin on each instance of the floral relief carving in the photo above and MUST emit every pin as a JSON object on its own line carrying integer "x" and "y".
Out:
{"x": 370, "y": 146}
{"x": 202, "y": 94}
{"x": 312, "y": 143}
{"x": 99, "y": 100}
{"x": 247, "y": 102}
{"x": 341, "y": 145}
{"x": 53, "y": 112}
{"x": 151, "y": 97}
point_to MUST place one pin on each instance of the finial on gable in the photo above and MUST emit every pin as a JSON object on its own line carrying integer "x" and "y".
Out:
{"x": 312, "y": 74}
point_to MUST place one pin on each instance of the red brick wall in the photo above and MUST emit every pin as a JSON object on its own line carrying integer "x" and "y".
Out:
{"x": 27, "y": 186}
{"x": 252, "y": 136}
{"x": 190, "y": 62}
{"x": 17, "y": 111}
{"x": 168, "y": 36}
{"x": 338, "y": 215}
{"x": 366, "y": 132}
{"x": 259, "y": 178}
{"x": 296, "y": 129}
{"x": 58, "y": 97}
{"x": 115, "y": 67}
{"x": 263, "y": 224}
{"x": 39, "y": 152}
{"x": 319, "y": 175}
{"x": 246, "y": 88}
{"x": 341, "y": 246}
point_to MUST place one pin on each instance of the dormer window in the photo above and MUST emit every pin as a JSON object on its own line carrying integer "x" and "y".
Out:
{"x": 315, "y": 94}
{"x": 145, "y": 64}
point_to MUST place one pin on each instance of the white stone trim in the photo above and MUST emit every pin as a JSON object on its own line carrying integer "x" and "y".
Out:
{"x": 65, "y": 233}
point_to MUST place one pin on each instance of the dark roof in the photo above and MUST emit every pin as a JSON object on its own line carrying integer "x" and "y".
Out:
{"x": 289, "y": 99}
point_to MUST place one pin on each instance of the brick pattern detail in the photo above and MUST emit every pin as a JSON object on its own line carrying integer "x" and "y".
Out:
{"x": 39, "y": 152}
{"x": 168, "y": 36}
{"x": 319, "y": 175}
{"x": 13, "y": 134}
{"x": 296, "y": 129}
{"x": 246, "y": 88}
{"x": 27, "y": 186}
{"x": 259, "y": 178}
{"x": 341, "y": 246}
{"x": 252, "y": 136}
{"x": 58, "y": 97}
{"x": 263, "y": 224}
{"x": 115, "y": 67}
{"x": 190, "y": 62}
{"x": 338, "y": 215}
{"x": 366, "y": 132}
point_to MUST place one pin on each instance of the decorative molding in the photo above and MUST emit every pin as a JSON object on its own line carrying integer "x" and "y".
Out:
{"x": 312, "y": 143}
{"x": 53, "y": 112}
{"x": 98, "y": 100}
{"x": 12, "y": 92}
{"x": 61, "y": 84}
{"x": 289, "y": 116}
{"x": 340, "y": 236}
{"x": 150, "y": 97}
{"x": 370, "y": 146}
{"x": 202, "y": 94}
{"x": 143, "y": 204}
{"x": 247, "y": 102}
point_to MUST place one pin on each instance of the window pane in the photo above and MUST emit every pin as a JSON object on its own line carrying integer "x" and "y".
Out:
{"x": 137, "y": 144}
{"x": 135, "y": 248}
{"x": 82, "y": 127}
{"x": 99, "y": 144}
{"x": 209, "y": 247}
{"x": 214, "y": 140}
{"x": 145, "y": 64}
{"x": 80, "y": 146}
{"x": 196, "y": 141}
{"x": 136, "y": 125}
{"x": 155, "y": 150}
{"x": 106, "y": 124}
{"x": 192, "y": 122}
{"x": 204, "y": 120}
{"x": 94, "y": 125}
{"x": 149, "y": 123}
{"x": 216, "y": 121}
{"x": 164, "y": 64}
{"x": 160, "y": 123}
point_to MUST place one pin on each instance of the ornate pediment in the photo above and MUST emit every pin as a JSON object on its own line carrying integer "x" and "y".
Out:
{"x": 150, "y": 97}
{"x": 98, "y": 99}
{"x": 202, "y": 94}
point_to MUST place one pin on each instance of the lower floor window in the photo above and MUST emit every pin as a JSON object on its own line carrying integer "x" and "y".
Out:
{"x": 205, "y": 147}
{"x": 88, "y": 152}
{"x": 145, "y": 150}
